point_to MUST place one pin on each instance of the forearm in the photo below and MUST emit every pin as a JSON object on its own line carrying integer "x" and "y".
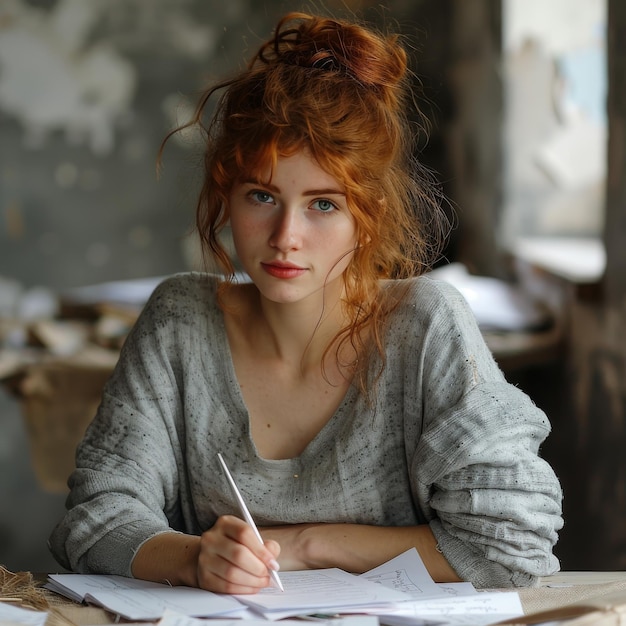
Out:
{"x": 355, "y": 547}
{"x": 173, "y": 557}
{"x": 227, "y": 558}
{"x": 168, "y": 557}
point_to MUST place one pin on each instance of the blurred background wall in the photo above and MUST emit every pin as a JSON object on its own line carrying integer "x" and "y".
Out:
{"x": 88, "y": 89}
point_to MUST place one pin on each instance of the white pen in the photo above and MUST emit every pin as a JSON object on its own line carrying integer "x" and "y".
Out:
{"x": 246, "y": 515}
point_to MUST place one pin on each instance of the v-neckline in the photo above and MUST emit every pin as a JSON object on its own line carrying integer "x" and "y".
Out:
{"x": 234, "y": 389}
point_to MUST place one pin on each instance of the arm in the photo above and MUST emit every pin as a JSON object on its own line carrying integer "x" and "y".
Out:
{"x": 495, "y": 503}
{"x": 492, "y": 502}
{"x": 125, "y": 487}
{"x": 312, "y": 546}
{"x": 228, "y": 558}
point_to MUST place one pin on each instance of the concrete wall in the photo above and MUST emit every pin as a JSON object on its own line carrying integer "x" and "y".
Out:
{"x": 87, "y": 91}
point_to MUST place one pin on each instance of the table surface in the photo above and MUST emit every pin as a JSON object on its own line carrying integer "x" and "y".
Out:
{"x": 580, "y": 592}
{"x": 577, "y": 259}
{"x": 583, "y": 578}
{"x": 591, "y": 590}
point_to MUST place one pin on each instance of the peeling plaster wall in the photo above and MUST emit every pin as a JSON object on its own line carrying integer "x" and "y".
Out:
{"x": 79, "y": 87}
{"x": 87, "y": 92}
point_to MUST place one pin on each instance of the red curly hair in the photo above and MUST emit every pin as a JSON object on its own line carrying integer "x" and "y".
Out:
{"x": 341, "y": 91}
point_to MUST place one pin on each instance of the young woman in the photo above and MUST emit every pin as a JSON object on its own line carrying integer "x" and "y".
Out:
{"x": 353, "y": 398}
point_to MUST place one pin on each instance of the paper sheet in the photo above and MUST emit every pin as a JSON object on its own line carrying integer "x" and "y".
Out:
{"x": 407, "y": 573}
{"x": 174, "y": 619}
{"x": 10, "y": 614}
{"x": 437, "y": 603}
{"x": 141, "y": 600}
{"x": 478, "y": 609}
{"x": 323, "y": 590}
{"x": 397, "y": 593}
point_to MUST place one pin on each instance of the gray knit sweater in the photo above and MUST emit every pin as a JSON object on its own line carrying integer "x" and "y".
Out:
{"x": 448, "y": 442}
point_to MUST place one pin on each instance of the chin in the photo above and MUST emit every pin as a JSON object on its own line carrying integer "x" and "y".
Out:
{"x": 282, "y": 296}
{"x": 284, "y": 292}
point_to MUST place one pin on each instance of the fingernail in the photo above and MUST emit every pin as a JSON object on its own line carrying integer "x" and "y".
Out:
{"x": 274, "y": 565}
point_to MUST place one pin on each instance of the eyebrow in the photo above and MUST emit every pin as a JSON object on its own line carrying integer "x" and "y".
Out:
{"x": 325, "y": 192}
{"x": 311, "y": 192}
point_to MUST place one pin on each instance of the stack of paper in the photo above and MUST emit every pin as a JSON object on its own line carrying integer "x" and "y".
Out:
{"x": 398, "y": 593}
{"x": 323, "y": 591}
{"x": 174, "y": 619}
{"x": 137, "y": 600}
{"x": 453, "y": 604}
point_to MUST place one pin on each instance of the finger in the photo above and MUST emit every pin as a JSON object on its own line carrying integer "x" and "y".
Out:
{"x": 241, "y": 533}
{"x": 231, "y": 580}
{"x": 225, "y": 576}
{"x": 273, "y": 547}
{"x": 226, "y": 561}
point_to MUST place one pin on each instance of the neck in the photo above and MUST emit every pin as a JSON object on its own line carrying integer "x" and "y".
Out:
{"x": 297, "y": 333}
{"x": 301, "y": 331}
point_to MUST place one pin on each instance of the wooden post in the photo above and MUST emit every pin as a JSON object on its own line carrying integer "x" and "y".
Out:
{"x": 588, "y": 446}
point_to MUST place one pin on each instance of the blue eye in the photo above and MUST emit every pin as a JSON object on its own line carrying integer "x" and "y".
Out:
{"x": 325, "y": 206}
{"x": 262, "y": 196}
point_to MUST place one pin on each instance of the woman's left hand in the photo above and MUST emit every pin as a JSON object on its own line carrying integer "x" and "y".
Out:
{"x": 355, "y": 547}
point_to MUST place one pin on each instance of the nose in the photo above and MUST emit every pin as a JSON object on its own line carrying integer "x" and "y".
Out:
{"x": 286, "y": 231}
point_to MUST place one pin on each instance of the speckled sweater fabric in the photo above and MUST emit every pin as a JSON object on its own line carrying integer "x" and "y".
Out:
{"x": 448, "y": 442}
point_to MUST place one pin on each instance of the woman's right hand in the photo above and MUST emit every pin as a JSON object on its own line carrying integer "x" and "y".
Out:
{"x": 228, "y": 558}
{"x": 232, "y": 560}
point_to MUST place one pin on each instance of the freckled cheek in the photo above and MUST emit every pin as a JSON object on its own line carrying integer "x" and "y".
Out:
{"x": 337, "y": 251}
{"x": 339, "y": 241}
{"x": 244, "y": 226}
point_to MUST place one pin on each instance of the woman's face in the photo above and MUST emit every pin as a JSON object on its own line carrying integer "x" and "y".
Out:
{"x": 294, "y": 235}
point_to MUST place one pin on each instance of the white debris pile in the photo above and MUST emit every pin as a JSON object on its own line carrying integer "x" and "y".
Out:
{"x": 39, "y": 326}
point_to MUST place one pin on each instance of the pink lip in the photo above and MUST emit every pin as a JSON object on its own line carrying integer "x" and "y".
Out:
{"x": 278, "y": 269}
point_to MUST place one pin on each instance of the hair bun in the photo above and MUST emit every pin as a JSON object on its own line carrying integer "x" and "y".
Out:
{"x": 373, "y": 59}
{"x": 325, "y": 60}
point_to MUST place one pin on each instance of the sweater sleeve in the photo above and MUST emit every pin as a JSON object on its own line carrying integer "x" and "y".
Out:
{"x": 124, "y": 488}
{"x": 493, "y": 503}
